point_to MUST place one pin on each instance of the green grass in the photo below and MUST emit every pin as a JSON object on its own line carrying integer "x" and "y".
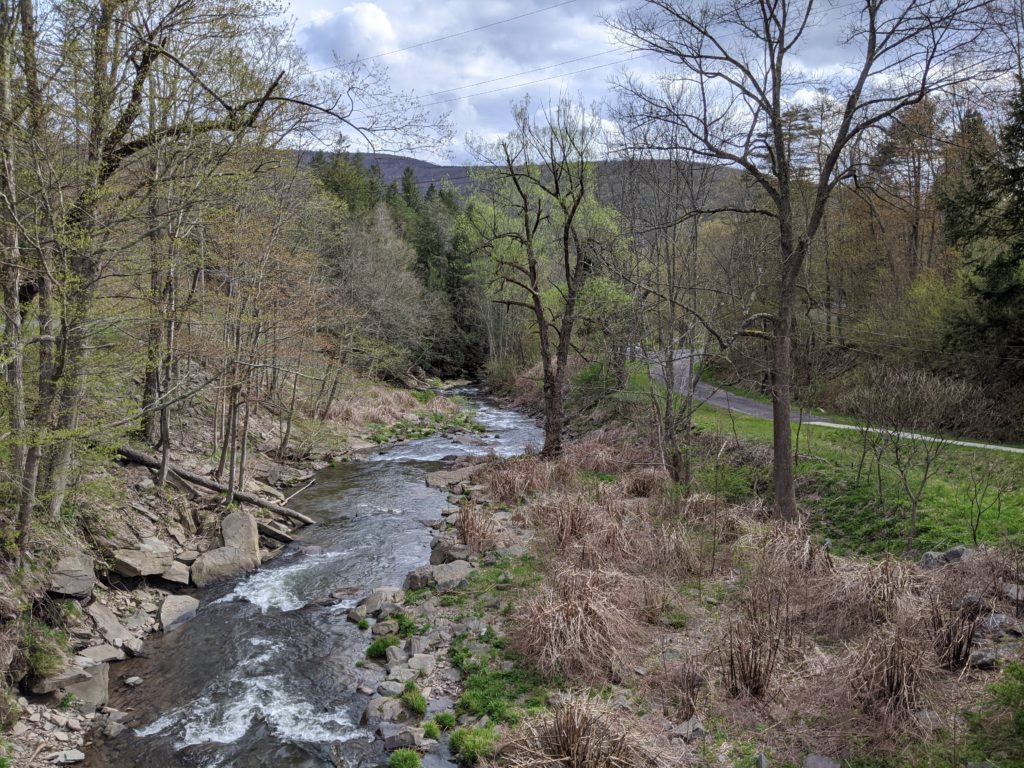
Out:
{"x": 849, "y": 511}
{"x": 505, "y": 695}
{"x": 404, "y": 758}
{"x": 46, "y": 648}
{"x": 432, "y": 730}
{"x": 471, "y": 744}
{"x": 378, "y": 649}
{"x": 413, "y": 699}
{"x": 445, "y": 720}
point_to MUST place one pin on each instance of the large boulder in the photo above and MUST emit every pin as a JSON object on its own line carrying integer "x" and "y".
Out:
{"x": 381, "y": 708}
{"x": 152, "y": 557}
{"x": 177, "y": 573}
{"x": 222, "y": 563}
{"x": 73, "y": 576}
{"x": 444, "y": 478}
{"x": 239, "y": 531}
{"x": 108, "y": 625}
{"x": 443, "y": 576}
{"x": 99, "y": 654}
{"x": 381, "y": 596}
{"x": 63, "y": 679}
{"x": 177, "y": 609}
{"x": 448, "y": 551}
{"x": 92, "y": 694}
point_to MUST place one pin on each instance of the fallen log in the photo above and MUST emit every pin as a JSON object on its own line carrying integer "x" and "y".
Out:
{"x": 138, "y": 457}
{"x": 273, "y": 533}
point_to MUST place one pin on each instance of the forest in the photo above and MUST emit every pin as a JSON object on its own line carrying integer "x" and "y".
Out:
{"x": 756, "y": 329}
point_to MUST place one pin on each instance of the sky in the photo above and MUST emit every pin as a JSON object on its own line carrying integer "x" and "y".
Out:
{"x": 551, "y": 41}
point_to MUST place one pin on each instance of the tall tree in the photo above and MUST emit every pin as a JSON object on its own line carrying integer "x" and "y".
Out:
{"x": 743, "y": 58}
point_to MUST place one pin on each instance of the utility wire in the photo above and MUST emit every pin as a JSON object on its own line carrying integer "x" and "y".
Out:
{"x": 461, "y": 33}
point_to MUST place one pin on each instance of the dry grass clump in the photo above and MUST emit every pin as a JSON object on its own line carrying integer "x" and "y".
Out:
{"x": 582, "y": 732}
{"x": 610, "y": 451}
{"x": 953, "y": 629}
{"x": 581, "y": 625}
{"x": 754, "y": 641}
{"x": 681, "y": 688}
{"x": 476, "y": 528}
{"x": 643, "y": 483}
{"x": 510, "y": 481}
{"x": 377, "y": 404}
{"x": 887, "y": 674}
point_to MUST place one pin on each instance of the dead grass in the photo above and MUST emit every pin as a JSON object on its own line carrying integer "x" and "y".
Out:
{"x": 476, "y": 528}
{"x": 583, "y": 732}
{"x": 581, "y": 625}
{"x": 512, "y": 481}
{"x": 754, "y": 640}
{"x": 376, "y": 405}
{"x": 681, "y": 688}
{"x": 887, "y": 674}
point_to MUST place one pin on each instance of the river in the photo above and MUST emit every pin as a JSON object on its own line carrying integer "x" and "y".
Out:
{"x": 257, "y": 678}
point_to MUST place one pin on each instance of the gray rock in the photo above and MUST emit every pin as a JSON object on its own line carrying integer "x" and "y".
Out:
{"x": 402, "y": 674}
{"x": 956, "y": 554}
{"x": 133, "y": 682}
{"x": 178, "y": 573}
{"x": 819, "y": 761}
{"x": 187, "y": 556}
{"x": 1014, "y": 593}
{"x": 930, "y": 560}
{"x": 388, "y": 627}
{"x": 357, "y": 614}
{"x": 444, "y": 576}
{"x": 390, "y": 688}
{"x": 63, "y": 679}
{"x": 399, "y": 736}
{"x": 92, "y": 694}
{"x": 108, "y": 625}
{"x": 446, "y": 477}
{"x": 424, "y": 663}
{"x": 99, "y": 654}
{"x": 176, "y": 610}
{"x": 983, "y": 658}
{"x": 762, "y": 761}
{"x": 396, "y": 655}
{"x": 222, "y": 563}
{"x": 690, "y": 731}
{"x": 113, "y": 729}
{"x": 380, "y": 709}
{"x": 448, "y": 551}
{"x": 996, "y": 624}
{"x": 151, "y": 558}
{"x": 239, "y": 531}
{"x": 69, "y": 756}
{"x": 416, "y": 645}
{"x": 929, "y": 720}
{"x": 73, "y": 576}
{"x": 381, "y": 595}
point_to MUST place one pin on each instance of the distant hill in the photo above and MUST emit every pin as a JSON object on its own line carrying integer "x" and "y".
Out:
{"x": 393, "y": 166}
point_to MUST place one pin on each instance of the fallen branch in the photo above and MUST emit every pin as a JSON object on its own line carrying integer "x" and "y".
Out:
{"x": 273, "y": 533}
{"x": 138, "y": 457}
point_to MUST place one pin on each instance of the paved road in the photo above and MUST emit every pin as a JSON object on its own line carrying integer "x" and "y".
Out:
{"x": 748, "y": 406}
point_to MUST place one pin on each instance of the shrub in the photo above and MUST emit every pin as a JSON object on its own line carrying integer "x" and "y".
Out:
{"x": 953, "y": 631}
{"x": 9, "y": 709}
{"x": 582, "y": 732}
{"x": 445, "y": 720}
{"x": 45, "y": 648}
{"x": 475, "y": 528}
{"x": 378, "y": 649}
{"x": 404, "y": 758}
{"x": 472, "y": 744}
{"x": 887, "y": 674}
{"x": 576, "y": 627}
{"x": 413, "y": 699}
{"x": 754, "y": 640}
{"x": 363, "y": 624}
{"x": 431, "y": 730}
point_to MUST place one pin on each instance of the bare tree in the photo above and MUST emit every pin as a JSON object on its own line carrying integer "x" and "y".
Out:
{"x": 541, "y": 233}
{"x": 743, "y": 59}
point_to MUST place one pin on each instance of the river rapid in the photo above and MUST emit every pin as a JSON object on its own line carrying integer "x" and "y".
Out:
{"x": 264, "y": 677}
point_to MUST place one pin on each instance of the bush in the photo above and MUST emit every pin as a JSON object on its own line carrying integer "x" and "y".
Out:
{"x": 363, "y": 624}
{"x": 45, "y": 649}
{"x": 9, "y": 710}
{"x": 413, "y": 699}
{"x": 404, "y": 758}
{"x": 445, "y": 720}
{"x": 472, "y": 744}
{"x": 379, "y": 648}
{"x": 431, "y": 730}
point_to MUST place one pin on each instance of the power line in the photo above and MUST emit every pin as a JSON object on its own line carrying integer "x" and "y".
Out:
{"x": 461, "y": 33}
{"x": 535, "y": 82}
{"x": 520, "y": 74}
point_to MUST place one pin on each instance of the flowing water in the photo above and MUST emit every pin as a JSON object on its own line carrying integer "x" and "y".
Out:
{"x": 261, "y": 676}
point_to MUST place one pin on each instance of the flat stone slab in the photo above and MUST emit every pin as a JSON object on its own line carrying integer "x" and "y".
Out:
{"x": 108, "y": 624}
{"x": 178, "y": 573}
{"x": 73, "y": 576}
{"x": 63, "y": 679}
{"x": 101, "y": 653}
{"x": 151, "y": 558}
{"x": 92, "y": 694}
{"x": 176, "y": 610}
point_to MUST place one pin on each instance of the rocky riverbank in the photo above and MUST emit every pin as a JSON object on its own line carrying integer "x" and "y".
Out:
{"x": 140, "y": 573}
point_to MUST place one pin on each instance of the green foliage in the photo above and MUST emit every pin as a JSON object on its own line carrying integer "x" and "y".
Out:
{"x": 489, "y": 688}
{"x": 67, "y": 702}
{"x": 363, "y": 624}
{"x": 413, "y": 698}
{"x": 45, "y": 648}
{"x": 473, "y": 744}
{"x": 996, "y": 728}
{"x": 445, "y": 720}
{"x": 404, "y": 758}
{"x": 9, "y": 709}
{"x": 378, "y": 649}
{"x": 432, "y": 730}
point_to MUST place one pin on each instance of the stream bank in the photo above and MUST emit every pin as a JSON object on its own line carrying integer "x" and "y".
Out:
{"x": 270, "y": 671}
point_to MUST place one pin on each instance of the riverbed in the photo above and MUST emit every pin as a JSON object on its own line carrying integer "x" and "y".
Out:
{"x": 262, "y": 676}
